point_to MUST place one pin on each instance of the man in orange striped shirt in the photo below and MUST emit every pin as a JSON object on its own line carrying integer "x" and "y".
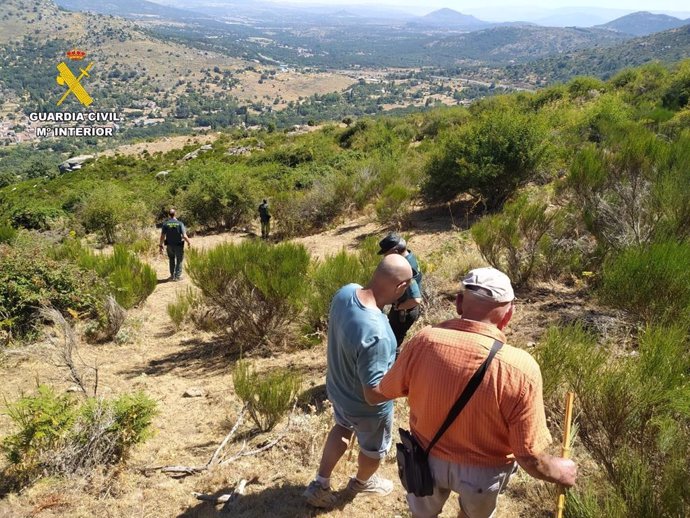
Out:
{"x": 502, "y": 423}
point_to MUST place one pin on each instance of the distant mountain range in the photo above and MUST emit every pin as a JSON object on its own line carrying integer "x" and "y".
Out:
{"x": 509, "y": 44}
{"x": 450, "y": 19}
{"x": 644, "y": 23}
{"x": 668, "y": 46}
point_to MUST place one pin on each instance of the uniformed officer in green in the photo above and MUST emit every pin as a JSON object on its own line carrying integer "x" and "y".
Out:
{"x": 174, "y": 236}
{"x": 265, "y": 218}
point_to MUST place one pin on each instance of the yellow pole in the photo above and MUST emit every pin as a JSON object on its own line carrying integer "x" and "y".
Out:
{"x": 565, "y": 450}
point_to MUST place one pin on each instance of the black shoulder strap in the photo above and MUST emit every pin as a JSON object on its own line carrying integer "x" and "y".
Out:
{"x": 466, "y": 394}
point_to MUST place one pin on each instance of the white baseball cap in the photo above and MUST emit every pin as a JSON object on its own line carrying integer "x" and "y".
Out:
{"x": 492, "y": 284}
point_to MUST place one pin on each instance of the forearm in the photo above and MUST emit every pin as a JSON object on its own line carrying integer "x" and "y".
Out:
{"x": 551, "y": 469}
{"x": 408, "y": 304}
{"x": 374, "y": 396}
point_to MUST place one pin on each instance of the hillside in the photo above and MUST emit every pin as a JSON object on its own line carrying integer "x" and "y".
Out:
{"x": 127, "y": 60}
{"x": 522, "y": 43}
{"x": 666, "y": 47}
{"x": 644, "y": 23}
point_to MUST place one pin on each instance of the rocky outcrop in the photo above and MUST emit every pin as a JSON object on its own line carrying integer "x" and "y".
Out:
{"x": 74, "y": 163}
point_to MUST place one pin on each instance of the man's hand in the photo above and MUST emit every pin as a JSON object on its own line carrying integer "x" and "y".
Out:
{"x": 568, "y": 471}
{"x": 552, "y": 469}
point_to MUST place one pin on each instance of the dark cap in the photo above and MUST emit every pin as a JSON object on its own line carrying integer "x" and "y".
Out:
{"x": 391, "y": 241}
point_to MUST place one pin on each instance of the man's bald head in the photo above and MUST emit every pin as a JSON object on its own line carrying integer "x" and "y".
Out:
{"x": 394, "y": 267}
{"x": 474, "y": 306}
{"x": 392, "y": 276}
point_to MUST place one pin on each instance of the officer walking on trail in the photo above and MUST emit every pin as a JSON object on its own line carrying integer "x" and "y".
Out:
{"x": 265, "y": 217}
{"x": 174, "y": 236}
{"x": 405, "y": 311}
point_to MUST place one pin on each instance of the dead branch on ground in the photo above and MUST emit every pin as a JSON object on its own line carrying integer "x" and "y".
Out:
{"x": 218, "y": 458}
{"x": 227, "y": 498}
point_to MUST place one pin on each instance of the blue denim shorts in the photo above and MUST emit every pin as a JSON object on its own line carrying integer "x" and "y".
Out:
{"x": 373, "y": 433}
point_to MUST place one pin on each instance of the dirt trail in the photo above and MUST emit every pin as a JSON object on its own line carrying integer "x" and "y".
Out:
{"x": 165, "y": 364}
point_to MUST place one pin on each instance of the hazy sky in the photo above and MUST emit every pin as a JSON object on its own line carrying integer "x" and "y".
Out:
{"x": 428, "y": 5}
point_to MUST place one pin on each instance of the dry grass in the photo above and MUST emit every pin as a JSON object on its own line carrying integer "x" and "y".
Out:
{"x": 289, "y": 85}
{"x": 162, "y": 145}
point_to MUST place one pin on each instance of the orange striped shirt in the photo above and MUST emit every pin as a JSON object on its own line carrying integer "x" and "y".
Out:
{"x": 504, "y": 418}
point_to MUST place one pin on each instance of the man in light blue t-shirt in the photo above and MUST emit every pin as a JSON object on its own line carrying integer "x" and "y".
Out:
{"x": 361, "y": 349}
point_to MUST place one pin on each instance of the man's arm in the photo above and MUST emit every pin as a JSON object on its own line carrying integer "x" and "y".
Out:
{"x": 374, "y": 396}
{"x": 408, "y": 304}
{"x": 162, "y": 240}
{"x": 549, "y": 468}
{"x": 529, "y": 436}
{"x": 414, "y": 297}
{"x": 395, "y": 382}
{"x": 185, "y": 237}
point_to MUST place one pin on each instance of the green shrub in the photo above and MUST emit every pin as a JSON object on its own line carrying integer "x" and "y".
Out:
{"x": 131, "y": 280}
{"x": 328, "y": 276}
{"x": 178, "y": 310}
{"x": 7, "y": 233}
{"x": 582, "y": 86}
{"x": 255, "y": 290}
{"x": 677, "y": 124}
{"x": 393, "y": 206}
{"x": 36, "y": 217}
{"x": 304, "y": 212}
{"x": 634, "y": 418}
{"x": 109, "y": 210}
{"x": 58, "y": 435}
{"x": 30, "y": 279}
{"x": 268, "y": 397}
{"x": 634, "y": 189}
{"x": 652, "y": 283}
{"x": 218, "y": 199}
{"x": 523, "y": 240}
{"x": 490, "y": 158}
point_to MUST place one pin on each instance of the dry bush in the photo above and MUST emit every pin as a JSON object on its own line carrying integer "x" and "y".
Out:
{"x": 58, "y": 435}
{"x": 62, "y": 348}
{"x": 453, "y": 260}
{"x": 111, "y": 322}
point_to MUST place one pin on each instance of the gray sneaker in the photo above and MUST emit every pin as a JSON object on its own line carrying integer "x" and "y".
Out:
{"x": 376, "y": 485}
{"x": 317, "y": 496}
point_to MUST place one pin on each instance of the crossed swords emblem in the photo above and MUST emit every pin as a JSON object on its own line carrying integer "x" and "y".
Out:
{"x": 73, "y": 83}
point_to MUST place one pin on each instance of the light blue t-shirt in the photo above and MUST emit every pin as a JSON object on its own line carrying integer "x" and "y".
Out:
{"x": 361, "y": 349}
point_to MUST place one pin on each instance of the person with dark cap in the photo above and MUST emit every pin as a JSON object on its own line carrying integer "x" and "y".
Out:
{"x": 265, "y": 218}
{"x": 174, "y": 236}
{"x": 405, "y": 311}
